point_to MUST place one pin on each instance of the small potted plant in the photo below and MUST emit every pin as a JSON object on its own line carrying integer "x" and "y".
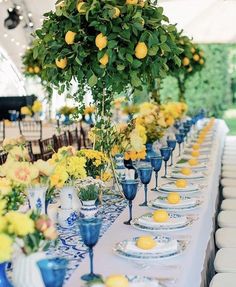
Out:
{"x": 88, "y": 194}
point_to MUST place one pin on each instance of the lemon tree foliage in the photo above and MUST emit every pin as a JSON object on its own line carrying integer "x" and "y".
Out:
{"x": 32, "y": 66}
{"x": 106, "y": 46}
{"x": 192, "y": 61}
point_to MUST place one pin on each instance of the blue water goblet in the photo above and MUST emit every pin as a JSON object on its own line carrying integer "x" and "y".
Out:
{"x": 165, "y": 153}
{"x": 90, "y": 231}
{"x": 145, "y": 175}
{"x": 53, "y": 271}
{"x": 171, "y": 144}
{"x": 156, "y": 163}
{"x": 130, "y": 188}
{"x": 180, "y": 139}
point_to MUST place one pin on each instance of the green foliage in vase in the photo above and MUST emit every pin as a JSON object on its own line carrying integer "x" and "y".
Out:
{"x": 66, "y": 110}
{"x": 90, "y": 192}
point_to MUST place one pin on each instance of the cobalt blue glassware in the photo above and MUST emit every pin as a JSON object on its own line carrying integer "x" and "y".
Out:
{"x": 156, "y": 163}
{"x": 165, "y": 153}
{"x": 53, "y": 271}
{"x": 149, "y": 152}
{"x": 4, "y": 282}
{"x": 171, "y": 144}
{"x": 180, "y": 140}
{"x": 90, "y": 231}
{"x": 145, "y": 175}
{"x": 130, "y": 188}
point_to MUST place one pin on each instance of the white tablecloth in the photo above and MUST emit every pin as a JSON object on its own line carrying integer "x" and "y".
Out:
{"x": 188, "y": 267}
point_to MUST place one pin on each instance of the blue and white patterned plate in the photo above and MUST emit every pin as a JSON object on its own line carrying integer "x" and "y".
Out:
{"x": 162, "y": 228}
{"x": 121, "y": 250}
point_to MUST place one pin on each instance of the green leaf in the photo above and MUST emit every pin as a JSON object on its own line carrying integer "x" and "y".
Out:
{"x": 112, "y": 44}
{"x": 129, "y": 58}
{"x": 136, "y": 64}
{"x": 92, "y": 80}
{"x": 120, "y": 67}
{"x": 153, "y": 50}
{"x": 163, "y": 38}
{"x": 165, "y": 47}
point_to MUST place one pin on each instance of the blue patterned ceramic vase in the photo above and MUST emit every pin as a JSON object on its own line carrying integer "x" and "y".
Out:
{"x": 37, "y": 198}
{"x": 4, "y": 282}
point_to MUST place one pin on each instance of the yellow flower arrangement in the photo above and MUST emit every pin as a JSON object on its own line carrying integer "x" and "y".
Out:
{"x": 3, "y": 224}
{"x": 5, "y": 186}
{"x": 44, "y": 167}
{"x": 19, "y": 153}
{"x": 89, "y": 110}
{"x": 118, "y": 101}
{"x": 3, "y": 205}
{"x": 26, "y": 111}
{"x": 76, "y": 167}
{"x": 37, "y": 106}
{"x": 5, "y": 247}
{"x": 20, "y": 224}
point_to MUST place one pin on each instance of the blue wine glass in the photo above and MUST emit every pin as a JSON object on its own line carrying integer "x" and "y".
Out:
{"x": 90, "y": 230}
{"x": 130, "y": 188}
{"x": 156, "y": 163}
{"x": 165, "y": 153}
{"x": 171, "y": 144}
{"x": 53, "y": 271}
{"x": 145, "y": 175}
{"x": 180, "y": 139}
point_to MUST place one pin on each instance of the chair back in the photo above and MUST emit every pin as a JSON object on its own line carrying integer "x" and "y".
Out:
{"x": 47, "y": 147}
{"x": 3, "y": 157}
{"x": 61, "y": 140}
{"x": 31, "y": 130}
{"x": 74, "y": 139}
{"x": 2, "y": 130}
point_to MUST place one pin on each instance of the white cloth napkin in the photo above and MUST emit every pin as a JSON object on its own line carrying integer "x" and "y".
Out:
{"x": 196, "y": 175}
{"x": 186, "y": 202}
{"x": 161, "y": 247}
{"x": 172, "y": 222}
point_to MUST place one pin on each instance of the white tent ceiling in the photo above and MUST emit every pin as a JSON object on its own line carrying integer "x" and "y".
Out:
{"x": 207, "y": 21}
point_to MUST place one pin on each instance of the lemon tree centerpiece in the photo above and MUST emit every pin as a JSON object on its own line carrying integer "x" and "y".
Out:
{"x": 105, "y": 46}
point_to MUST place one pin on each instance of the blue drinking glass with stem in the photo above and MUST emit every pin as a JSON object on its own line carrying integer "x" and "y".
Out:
{"x": 90, "y": 231}
{"x": 156, "y": 163}
{"x": 171, "y": 143}
{"x": 130, "y": 188}
{"x": 145, "y": 175}
{"x": 53, "y": 271}
{"x": 165, "y": 153}
{"x": 180, "y": 139}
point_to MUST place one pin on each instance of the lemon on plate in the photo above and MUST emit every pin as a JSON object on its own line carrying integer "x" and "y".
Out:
{"x": 195, "y": 153}
{"x": 193, "y": 162}
{"x": 146, "y": 242}
{"x": 181, "y": 183}
{"x": 160, "y": 215}
{"x": 186, "y": 171}
{"x": 196, "y": 146}
{"x": 173, "y": 198}
{"x": 116, "y": 281}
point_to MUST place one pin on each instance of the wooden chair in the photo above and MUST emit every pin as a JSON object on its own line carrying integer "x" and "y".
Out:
{"x": 31, "y": 130}
{"x": 2, "y": 130}
{"x": 85, "y": 142}
{"x": 61, "y": 140}
{"x": 47, "y": 147}
{"x": 74, "y": 138}
{"x": 3, "y": 157}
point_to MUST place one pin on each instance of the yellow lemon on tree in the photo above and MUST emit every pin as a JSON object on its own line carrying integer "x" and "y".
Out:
{"x": 31, "y": 70}
{"x": 186, "y": 171}
{"x": 62, "y": 63}
{"x": 193, "y": 162}
{"x": 146, "y": 242}
{"x": 101, "y": 41}
{"x": 160, "y": 215}
{"x": 195, "y": 153}
{"x": 173, "y": 198}
{"x": 196, "y": 57}
{"x": 181, "y": 183}
{"x": 81, "y": 7}
{"x": 186, "y": 61}
{"x": 141, "y": 3}
{"x": 201, "y": 62}
{"x": 141, "y": 50}
{"x": 36, "y": 69}
{"x": 70, "y": 37}
{"x": 116, "y": 13}
{"x": 104, "y": 60}
{"x": 196, "y": 146}
{"x": 116, "y": 281}
{"x": 193, "y": 50}
{"x": 132, "y": 2}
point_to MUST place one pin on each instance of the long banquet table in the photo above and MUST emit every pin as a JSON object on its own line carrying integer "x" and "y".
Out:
{"x": 188, "y": 269}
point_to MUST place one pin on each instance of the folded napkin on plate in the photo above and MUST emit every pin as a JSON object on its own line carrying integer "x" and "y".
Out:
{"x": 183, "y": 203}
{"x": 173, "y": 187}
{"x": 172, "y": 222}
{"x": 161, "y": 247}
{"x": 191, "y": 176}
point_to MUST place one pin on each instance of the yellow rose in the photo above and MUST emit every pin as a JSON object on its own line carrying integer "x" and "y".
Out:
{"x": 44, "y": 167}
{"x": 37, "y": 106}
{"x": 23, "y": 173}
{"x": 5, "y": 248}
